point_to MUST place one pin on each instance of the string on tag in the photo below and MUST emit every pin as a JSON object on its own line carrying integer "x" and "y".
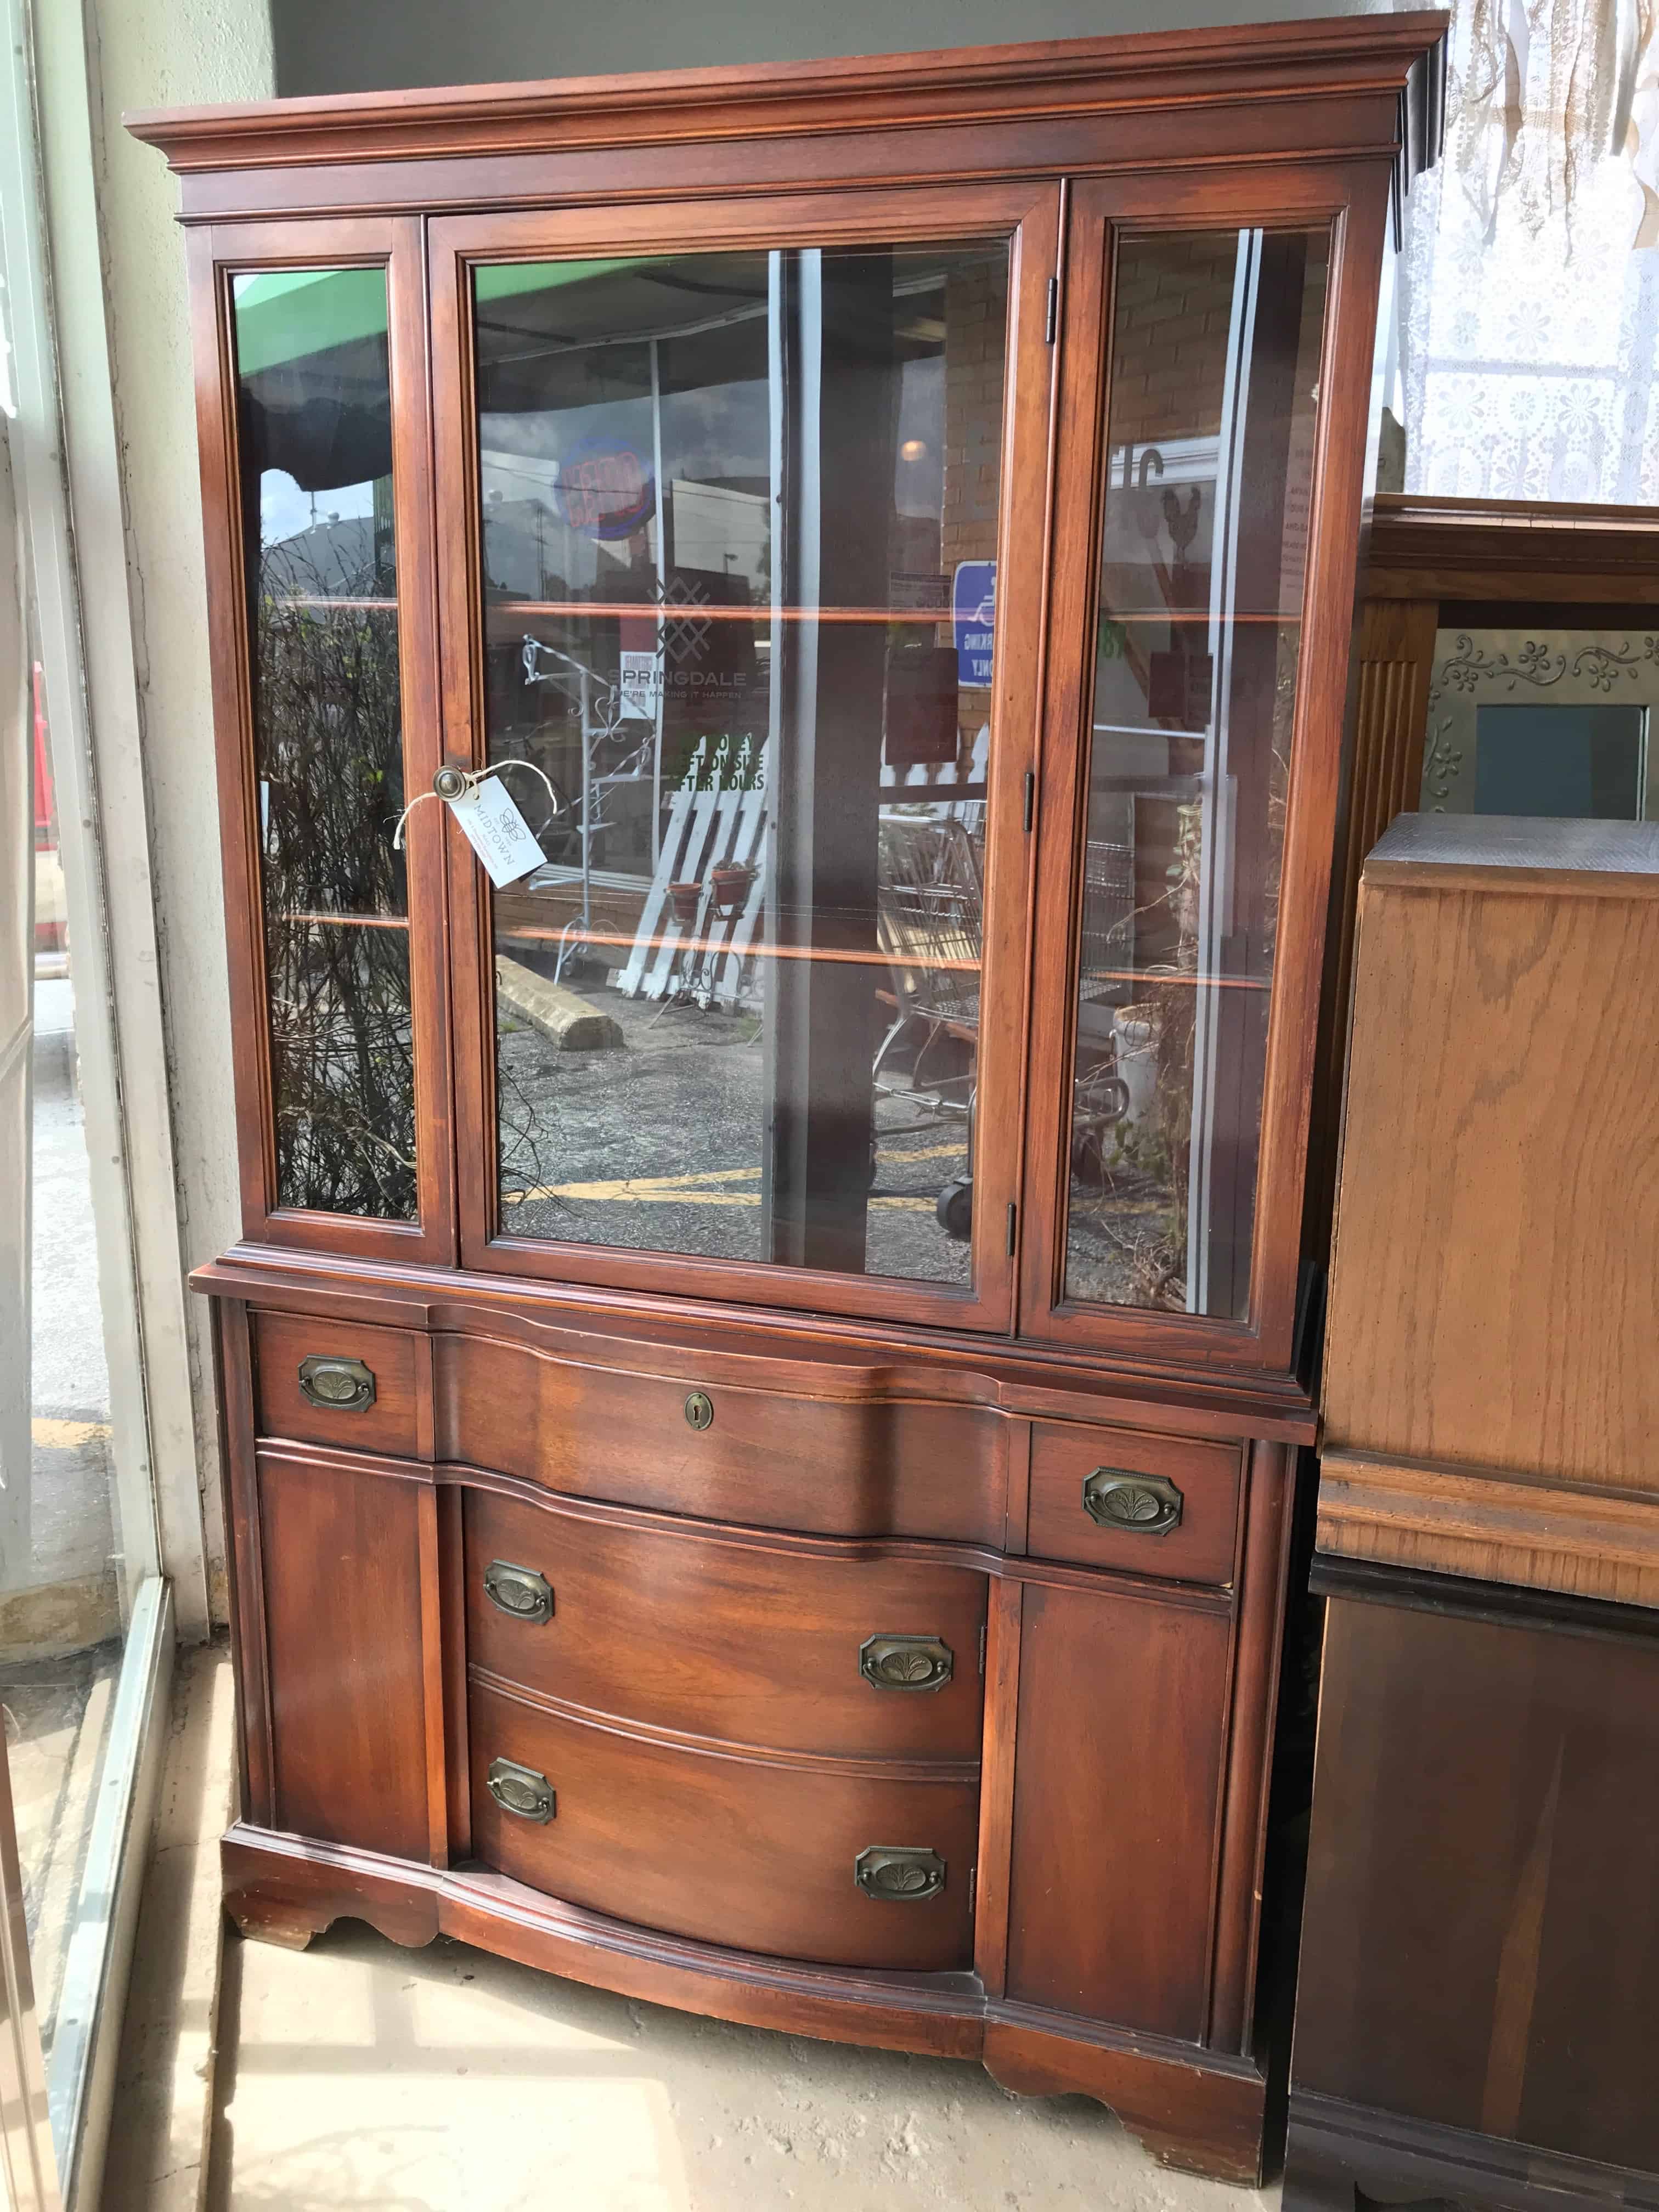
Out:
{"x": 465, "y": 780}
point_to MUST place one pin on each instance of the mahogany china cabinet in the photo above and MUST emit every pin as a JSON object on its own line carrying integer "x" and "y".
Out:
{"x": 763, "y": 1377}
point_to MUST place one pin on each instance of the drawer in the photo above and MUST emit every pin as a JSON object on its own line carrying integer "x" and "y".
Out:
{"x": 760, "y": 1854}
{"x": 786, "y": 1458}
{"x": 682, "y": 1628}
{"x": 1147, "y": 1504}
{"x": 339, "y": 1382}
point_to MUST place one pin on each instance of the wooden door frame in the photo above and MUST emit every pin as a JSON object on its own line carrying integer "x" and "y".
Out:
{"x": 1030, "y": 218}
{"x": 217, "y": 254}
{"x": 1352, "y": 200}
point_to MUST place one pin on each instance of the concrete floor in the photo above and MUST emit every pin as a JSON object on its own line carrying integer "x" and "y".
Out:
{"x": 357, "y": 2074}
{"x": 658, "y": 1144}
{"x": 56, "y": 1713}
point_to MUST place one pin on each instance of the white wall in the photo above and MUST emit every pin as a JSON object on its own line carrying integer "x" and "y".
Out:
{"x": 153, "y": 53}
{"x": 363, "y": 45}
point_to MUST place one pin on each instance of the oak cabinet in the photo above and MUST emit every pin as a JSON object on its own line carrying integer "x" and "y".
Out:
{"x": 1477, "y": 2014}
{"x": 778, "y": 648}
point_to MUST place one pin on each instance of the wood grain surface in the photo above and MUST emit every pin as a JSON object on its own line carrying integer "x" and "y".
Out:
{"x": 1493, "y": 1301}
{"x": 785, "y": 1457}
{"x": 1117, "y": 1785}
{"x": 340, "y": 1557}
{"x": 677, "y": 1627}
{"x": 393, "y": 1423}
{"x": 755, "y": 1853}
{"x": 1488, "y": 1959}
{"x": 1500, "y": 1527}
{"x": 1200, "y": 1548}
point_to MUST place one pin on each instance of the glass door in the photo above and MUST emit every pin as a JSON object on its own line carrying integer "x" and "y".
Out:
{"x": 749, "y": 577}
{"x": 323, "y": 645}
{"x": 29, "y": 2177}
{"x": 1189, "y": 774}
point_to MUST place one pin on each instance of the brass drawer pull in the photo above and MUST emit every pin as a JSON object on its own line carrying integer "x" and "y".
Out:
{"x": 521, "y": 1791}
{"x": 900, "y": 1874}
{"x": 339, "y": 1385}
{"x": 906, "y": 1662}
{"x": 1139, "y": 1505}
{"x": 518, "y": 1590}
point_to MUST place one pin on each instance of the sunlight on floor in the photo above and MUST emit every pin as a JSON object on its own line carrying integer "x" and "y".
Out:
{"x": 441, "y": 2080}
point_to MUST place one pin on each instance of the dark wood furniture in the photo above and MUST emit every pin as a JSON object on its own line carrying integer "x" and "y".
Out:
{"x": 761, "y": 1380}
{"x": 1477, "y": 2014}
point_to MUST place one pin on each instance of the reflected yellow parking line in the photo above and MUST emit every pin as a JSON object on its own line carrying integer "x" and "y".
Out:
{"x": 693, "y": 1189}
{"x": 67, "y": 1436}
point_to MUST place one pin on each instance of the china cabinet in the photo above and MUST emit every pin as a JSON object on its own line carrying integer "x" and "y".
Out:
{"x": 762, "y": 1379}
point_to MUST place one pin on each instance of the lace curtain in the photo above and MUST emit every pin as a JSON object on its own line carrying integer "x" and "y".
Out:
{"x": 1529, "y": 285}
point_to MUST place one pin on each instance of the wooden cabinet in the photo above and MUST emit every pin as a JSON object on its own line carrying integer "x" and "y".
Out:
{"x": 762, "y": 1369}
{"x": 1477, "y": 2013}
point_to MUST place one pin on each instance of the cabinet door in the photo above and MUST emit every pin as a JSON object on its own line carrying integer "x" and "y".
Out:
{"x": 1117, "y": 1795}
{"x": 346, "y": 1645}
{"x": 741, "y": 569}
{"x": 1211, "y": 439}
{"x": 316, "y": 481}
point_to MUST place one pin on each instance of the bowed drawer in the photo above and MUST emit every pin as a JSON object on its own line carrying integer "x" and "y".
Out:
{"x": 798, "y": 1456}
{"x": 722, "y": 1634}
{"x": 805, "y": 1859}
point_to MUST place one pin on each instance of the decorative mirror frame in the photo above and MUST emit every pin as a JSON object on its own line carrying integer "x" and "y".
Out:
{"x": 1557, "y": 667}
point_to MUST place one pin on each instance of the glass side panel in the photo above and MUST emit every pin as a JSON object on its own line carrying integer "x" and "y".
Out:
{"x": 1214, "y": 367}
{"x": 739, "y": 517}
{"x": 315, "y": 433}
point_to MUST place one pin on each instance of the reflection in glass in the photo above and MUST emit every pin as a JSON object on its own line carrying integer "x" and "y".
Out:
{"x": 1212, "y": 407}
{"x": 728, "y": 500}
{"x": 1582, "y": 762}
{"x": 66, "y": 1578}
{"x": 315, "y": 433}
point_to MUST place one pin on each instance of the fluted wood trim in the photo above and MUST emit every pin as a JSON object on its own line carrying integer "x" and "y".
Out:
{"x": 1396, "y": 658}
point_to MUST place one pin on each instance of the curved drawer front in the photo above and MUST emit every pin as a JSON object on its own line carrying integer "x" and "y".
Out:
{"x": 686, "y": 1630}
{"x": 751, "y": 1854}
{"x": 774, "y": 1459}
{"x": 1121, "y": 1497}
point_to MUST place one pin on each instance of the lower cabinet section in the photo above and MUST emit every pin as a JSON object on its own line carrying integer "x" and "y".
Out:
{"x": 895, "y": 1788}
{"x": 1478, "y": 2014}
{"x": 796, "y": 1860}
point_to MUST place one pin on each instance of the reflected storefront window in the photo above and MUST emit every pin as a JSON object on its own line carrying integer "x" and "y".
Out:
{"x": 1214, "y": 367}
{"x": 738, "y": 535}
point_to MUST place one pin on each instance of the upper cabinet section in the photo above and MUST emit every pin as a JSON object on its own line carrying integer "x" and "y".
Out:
{"x": 889, "y": 529}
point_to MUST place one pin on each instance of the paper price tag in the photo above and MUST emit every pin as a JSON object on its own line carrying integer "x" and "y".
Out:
{"x": 639, "y": 687}
{"x": 496, "y": 831}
